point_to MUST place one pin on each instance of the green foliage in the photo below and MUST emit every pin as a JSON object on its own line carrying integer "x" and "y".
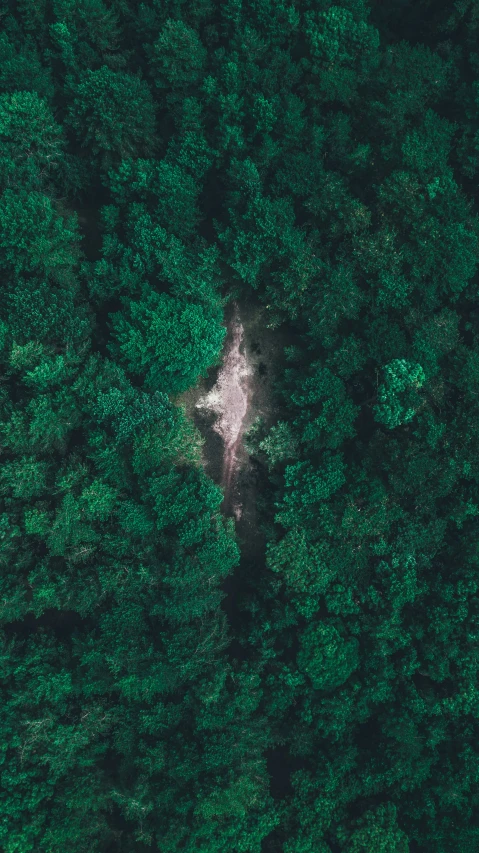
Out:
{"x": 113, "y": 115}
{"x": 397, "y": 395}
{"x": 325, "y": 415}
{"x": 421, "y": 76}
{"x": 344, "y": 51}
{"x": 165, "y": 342}
{"x": 307, "y": 489}
{"x": 280, "y": 443}
{"x": 317, "y": 160}
{"x": 177, "y": 58}
{"x": 86, "y": 35}
{"x": 32, "y": 142}
{"x": 34, "y": 237}
{"x": 428, "y": 149}
{"x": 326, "y": 657}
{"x": 21, "y": 64}
{"x": 379, "y": 831}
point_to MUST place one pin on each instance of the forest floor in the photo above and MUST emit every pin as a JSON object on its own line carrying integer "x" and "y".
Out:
{"x": 226, "y": 402}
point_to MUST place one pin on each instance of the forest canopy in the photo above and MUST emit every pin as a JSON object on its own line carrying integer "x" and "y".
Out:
{"x": 162, "y": 690}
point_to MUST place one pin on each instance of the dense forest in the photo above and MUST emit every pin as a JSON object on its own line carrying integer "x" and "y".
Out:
{"x": 161, "y": 690}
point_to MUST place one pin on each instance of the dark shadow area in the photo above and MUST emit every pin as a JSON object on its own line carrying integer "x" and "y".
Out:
{"x": 280, "y": 765}
{"x": 89, "y": 221}
{"x": 61, "y": 622}
{"x": 409, "y": 20}
{"x": 102, "y": 329}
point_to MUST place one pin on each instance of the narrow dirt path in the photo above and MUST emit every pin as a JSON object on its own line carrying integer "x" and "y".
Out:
{"x": 229, "y": 399}
{"x": 226, "y": 402}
